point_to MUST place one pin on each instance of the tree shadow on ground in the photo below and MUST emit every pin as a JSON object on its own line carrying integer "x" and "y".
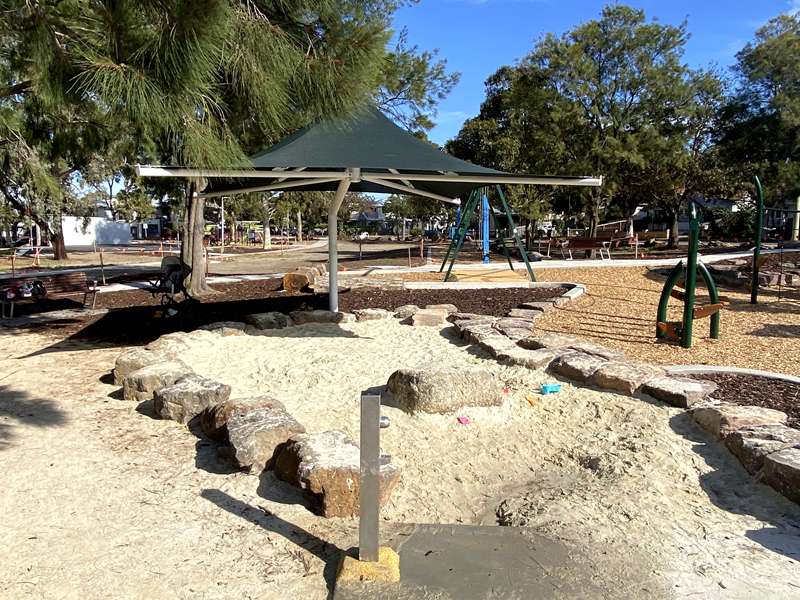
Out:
{"x": 732, "y": 489}
{"x": 20, "y": 407}
{"x": 328, "y": 553}
{"x": 782, "y": 330}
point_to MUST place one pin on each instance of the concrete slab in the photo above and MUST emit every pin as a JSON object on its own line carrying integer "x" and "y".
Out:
{"x": 458, "y": 562}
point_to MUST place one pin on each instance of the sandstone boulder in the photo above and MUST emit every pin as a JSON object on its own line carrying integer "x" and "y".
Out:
{"x": 496, "y": 343}
{"x": 226, "y": 328}
{"x": 301, "y": 317}
{"x": 269, "y": 320}
{"x": 577, "y": 366}
{"x": 782, "y": 472}
{"x": 625, "y": 377}
{"x": 683, "y": 392}
{"x": 371, "y": 314}
{"x": 172, "y": 344}
{"x": 294, "y": 283}
{"x": 133, "y": 360}
{"x": 257, "y": 435}
{"x": 549, "y": 340}
{"x": 406, "y": 311}
{"x": 530, "y": 359}
{"x": 426, "y": 317}
{"x": 214, "y": 419}
{"x": 724, "y": 418}
{"x": 142, "y": 384}
{"x": 524, "y": 313}
{"x": 188, "y": 397}
{"x": 514, "y": 328}
{"x": 751, "y": 445}
{"x": 448, "y": 308}
{"x": 327, "y": 465}
{"x": 443, "y": 390}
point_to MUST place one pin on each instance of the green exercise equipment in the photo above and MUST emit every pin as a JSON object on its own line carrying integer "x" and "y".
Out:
{"x": 682, "y": 330}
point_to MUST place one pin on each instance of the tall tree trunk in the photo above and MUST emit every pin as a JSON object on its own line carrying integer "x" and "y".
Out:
{"x": 192, "y": 249}
{"x": 299, "y": 226}
{"x": 59, "y": 249}
{"x": 267, "y": 237}
{"x": 673, "y": 230}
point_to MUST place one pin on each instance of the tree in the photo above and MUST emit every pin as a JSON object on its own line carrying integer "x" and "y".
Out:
{"x": 761, "y": 122}
{"x": 413, "y": 82}
{"x": 589, "y": 102}
{"x": 682, "y": 160}
{"x": 199, "y": 83}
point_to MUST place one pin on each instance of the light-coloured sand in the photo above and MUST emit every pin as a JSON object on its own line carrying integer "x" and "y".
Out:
{"x": 101, "y": 500}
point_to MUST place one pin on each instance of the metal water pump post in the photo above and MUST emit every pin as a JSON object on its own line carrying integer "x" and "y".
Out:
{"x": 369, "y": 506}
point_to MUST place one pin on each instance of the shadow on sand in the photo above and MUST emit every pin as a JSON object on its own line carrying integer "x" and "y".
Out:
{"x": 731, "y": 488}
{"x": 18, "y": 406}
{"x": 328, "y": 553}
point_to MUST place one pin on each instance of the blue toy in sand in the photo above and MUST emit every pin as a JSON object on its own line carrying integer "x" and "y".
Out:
{"x": 550, "y": 388}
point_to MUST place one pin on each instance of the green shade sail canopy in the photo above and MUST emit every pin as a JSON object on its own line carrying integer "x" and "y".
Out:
{"x": 365, "y": 153}
{"x": 387, "y": 159}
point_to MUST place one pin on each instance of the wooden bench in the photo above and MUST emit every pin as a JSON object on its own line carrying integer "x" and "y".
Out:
{"x": 61, "y": 285}
{"x": 603, "y": 244}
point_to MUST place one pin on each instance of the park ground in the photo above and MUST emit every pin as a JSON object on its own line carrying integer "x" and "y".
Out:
{"x": 102, "y": 499}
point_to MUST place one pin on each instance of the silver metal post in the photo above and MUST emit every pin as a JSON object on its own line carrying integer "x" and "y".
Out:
{"x": 369, "y": 506}
{"x": 333, "y": 256}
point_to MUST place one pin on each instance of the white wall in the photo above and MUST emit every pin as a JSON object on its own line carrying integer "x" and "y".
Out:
{"x": 82, "y": 232}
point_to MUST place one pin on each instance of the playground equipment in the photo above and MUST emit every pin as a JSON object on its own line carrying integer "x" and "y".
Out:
{"x": 682, "y": 331}
{"x": 476, "y": 197}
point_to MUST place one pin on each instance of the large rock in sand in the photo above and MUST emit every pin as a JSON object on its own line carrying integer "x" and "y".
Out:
{"x": 171, "y": 344}
{"x": 576, "y": 365}
{"x": 255, "y": 429}
{"x": 782, "y": 472}
{"x": 188, "y": 397}
{"x": 724, "y": 418}
{"x": 226, "y": 328}
{"x": 371, "y": 314}
{"x": 326, "y": 465}
{"x": 429, "y": 317}
{"x": 443, "y": 390}
{"x": 294, "y": 283}
{"x": 133, "y": 360}
{"x": 450, "y": 309}
{"x": 406, "y": 311}
{"x": 625, "y": 377}
{"x": 558, "y": 340}
{"x": 214, "y": 419}
{"x": 683, "y": 392}
{"x": 142, "y": 384}
{"x": 269, "y": 320}
{"x": 751, "y": 445}
{"x": 530, "y": 359}
{"x": 301, "y": 317}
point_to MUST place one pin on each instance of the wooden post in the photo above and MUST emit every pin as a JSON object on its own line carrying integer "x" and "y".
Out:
{"x": 360, "y": 241}
{"x": 409, "y": 256}
{"x": 422, "y": 247}
{"x": 207, "y": 261}
{"x": 13, "y": 264}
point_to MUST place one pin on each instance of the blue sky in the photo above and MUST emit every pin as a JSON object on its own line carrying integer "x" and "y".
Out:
{"x": 478, "y": 36}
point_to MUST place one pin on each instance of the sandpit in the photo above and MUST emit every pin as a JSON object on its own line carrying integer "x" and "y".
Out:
{"x": 102, "y": 499}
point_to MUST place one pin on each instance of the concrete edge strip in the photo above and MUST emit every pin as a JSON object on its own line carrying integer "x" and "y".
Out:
{"x": 701, "y": 369}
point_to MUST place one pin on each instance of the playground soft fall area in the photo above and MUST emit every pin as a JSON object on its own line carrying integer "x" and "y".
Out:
{"x": 332, "y": 301}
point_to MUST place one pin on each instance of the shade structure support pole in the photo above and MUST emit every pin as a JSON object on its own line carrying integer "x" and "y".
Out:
{"x": 333, "y": 255}
{"x": 523, "y": 252}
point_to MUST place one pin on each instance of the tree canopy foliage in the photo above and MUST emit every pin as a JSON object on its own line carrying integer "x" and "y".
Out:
{"x": 614, "y": 97}
{"x": 193, "y": 82}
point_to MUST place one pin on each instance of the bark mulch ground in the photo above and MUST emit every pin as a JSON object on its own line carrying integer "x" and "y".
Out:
{"x": 495, "y": 302}
{"x": 758, "y": 391}
{"x": 136, "y": 317}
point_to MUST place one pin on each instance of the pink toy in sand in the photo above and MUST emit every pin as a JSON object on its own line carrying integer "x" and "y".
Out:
{"x": 463, "y": 420}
